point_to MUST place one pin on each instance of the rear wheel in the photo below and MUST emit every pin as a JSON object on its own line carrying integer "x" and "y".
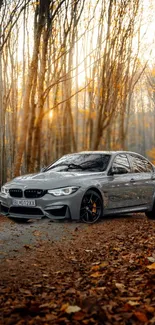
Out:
{"x": 150, "y": 214}
{"x": 91, "y": 207}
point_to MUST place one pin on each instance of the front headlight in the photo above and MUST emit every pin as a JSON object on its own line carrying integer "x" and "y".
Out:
{"x": 63, "y": 191}
{"x": 4, "y": 190}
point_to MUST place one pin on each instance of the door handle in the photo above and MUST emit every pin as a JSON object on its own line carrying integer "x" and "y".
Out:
{"x": 132, "y": 180}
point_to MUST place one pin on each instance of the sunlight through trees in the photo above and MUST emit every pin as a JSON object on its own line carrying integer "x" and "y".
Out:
{"x": 74, "y": 75}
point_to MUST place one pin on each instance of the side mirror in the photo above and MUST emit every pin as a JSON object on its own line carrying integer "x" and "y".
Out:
{"x": 117, "y": 170}
{"x": 42, "y": 169}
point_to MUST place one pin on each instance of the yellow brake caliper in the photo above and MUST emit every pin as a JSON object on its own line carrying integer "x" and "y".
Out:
{"x": 94, "y": 208}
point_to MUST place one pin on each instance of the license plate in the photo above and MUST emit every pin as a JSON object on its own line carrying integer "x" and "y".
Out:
{"x": 24, "y": 203}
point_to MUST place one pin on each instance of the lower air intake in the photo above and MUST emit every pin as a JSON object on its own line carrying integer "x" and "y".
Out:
{"x": 26, "y": 211}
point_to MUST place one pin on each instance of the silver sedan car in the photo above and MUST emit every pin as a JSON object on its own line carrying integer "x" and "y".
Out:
{"x": 83, "y": 186}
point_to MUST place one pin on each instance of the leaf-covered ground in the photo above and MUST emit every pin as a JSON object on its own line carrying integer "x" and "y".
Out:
{"x": 100, "y": 274}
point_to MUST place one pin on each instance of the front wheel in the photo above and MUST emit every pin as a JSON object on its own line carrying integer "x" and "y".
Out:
{"x": 91, "y": 207}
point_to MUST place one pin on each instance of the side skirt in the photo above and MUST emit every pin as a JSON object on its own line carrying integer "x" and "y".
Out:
{"x": 126, "y": 210}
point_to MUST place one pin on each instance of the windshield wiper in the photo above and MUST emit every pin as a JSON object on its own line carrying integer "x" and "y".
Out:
{"x": 74, "y": 166}
{"x": 58, "y": 165}
{"x": 68, "y": 166}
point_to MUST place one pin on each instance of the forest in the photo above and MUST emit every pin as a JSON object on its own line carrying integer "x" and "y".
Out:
{"x": 74, "y": 75}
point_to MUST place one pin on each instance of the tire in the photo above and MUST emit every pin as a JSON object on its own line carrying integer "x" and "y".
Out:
{"x": 150, "y": 214}
{"x": 91, "y": 209}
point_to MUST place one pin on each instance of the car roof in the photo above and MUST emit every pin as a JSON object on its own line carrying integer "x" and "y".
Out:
{"x": 113, "y": 153}
{"x": 108, "y": 152}
{"x": 100, "y": 152}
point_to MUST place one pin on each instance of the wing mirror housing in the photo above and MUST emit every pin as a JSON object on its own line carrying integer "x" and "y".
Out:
{"x": 42, "y": 169}
{"x": 117, "y": 171}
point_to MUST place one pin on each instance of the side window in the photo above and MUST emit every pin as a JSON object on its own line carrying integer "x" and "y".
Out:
{"x": 141, "y": 165}
{"x": 149, "y": 168}
{"x": 121, "y": 163}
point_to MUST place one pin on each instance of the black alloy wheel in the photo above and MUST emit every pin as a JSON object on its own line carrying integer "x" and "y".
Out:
{"x": 91, "y": 207}
{"x": 151, "y": 214}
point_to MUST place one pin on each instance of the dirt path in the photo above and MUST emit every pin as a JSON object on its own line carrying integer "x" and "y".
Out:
{"x": 15, "y": 236}
{"x": 55, "y": 273}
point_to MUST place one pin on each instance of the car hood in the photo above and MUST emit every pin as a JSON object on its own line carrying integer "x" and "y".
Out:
{"x": 51, "y": 179}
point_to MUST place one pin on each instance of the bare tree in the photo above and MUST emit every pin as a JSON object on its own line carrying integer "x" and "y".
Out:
{"x": 46, "y": 108}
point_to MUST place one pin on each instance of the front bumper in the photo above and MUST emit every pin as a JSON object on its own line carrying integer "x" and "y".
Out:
{"x": 47, "y": 206}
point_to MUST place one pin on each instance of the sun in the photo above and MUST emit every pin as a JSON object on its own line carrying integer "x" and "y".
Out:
{"x": 50, "y": 114}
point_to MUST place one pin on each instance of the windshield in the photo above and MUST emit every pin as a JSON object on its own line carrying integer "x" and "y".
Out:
{"x": 83, "y": 162}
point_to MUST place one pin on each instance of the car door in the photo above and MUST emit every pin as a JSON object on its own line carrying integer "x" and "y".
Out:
{"x": 143, "y": 179}
{"x": 119, "y": 192}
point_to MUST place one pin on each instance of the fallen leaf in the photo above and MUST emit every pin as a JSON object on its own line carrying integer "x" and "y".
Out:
{"x": 116, "y": 249}
{"x": 47, "y": 305}
{"x": 95, "y": 268}
{"x": 120, "y": 285}
{"x": 26, "y": 292}
{"x": 96, "y": 275}
{"x": 36, "y": 233}
{"x": 64, "y": 306}
{"x": 151, "y": 259}
{"x": 96, "y": 263}
{"x": 50, "y": 317}
{"x": 99, "y": 266}
{"x": 141, "y": 316}
{"x": 151, "y": 267}
{"x": 71, "y": 291}
{"x": 103, "y": 264}
{"x": 72, "y": 309}
{"x": 89, "y": 321}
{"x": 79, "y": 315}
{"x": 133, "y": 303}
{"x": 100, "y": 288}
{"x": 150, "y": 309}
